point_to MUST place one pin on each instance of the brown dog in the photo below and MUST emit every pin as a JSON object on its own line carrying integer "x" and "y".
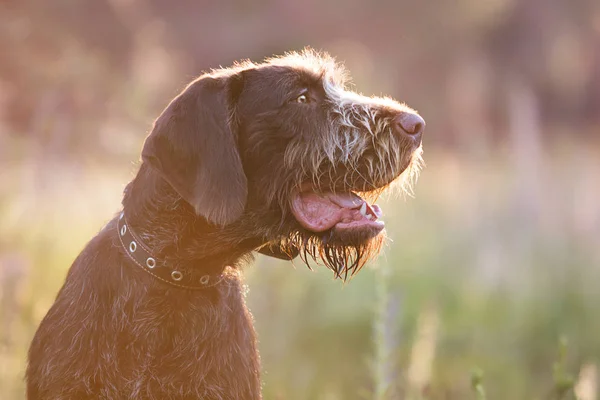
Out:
{"x": 264, "y": 156}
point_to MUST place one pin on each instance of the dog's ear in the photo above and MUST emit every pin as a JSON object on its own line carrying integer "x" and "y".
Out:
{"x": 194, "y": 147}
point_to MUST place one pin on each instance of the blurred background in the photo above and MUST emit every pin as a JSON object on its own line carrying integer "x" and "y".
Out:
{"x": 490, "y": 284}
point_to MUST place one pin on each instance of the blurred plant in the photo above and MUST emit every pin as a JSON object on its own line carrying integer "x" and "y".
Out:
{"x": 423, "y": 352}
{"x": 564, "y": 382}
{"x": 477, "y": 383}
{"x": 385, "y": 369}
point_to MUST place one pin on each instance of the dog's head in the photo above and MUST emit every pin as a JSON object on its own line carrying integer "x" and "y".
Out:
{"x": 283, "y": 149}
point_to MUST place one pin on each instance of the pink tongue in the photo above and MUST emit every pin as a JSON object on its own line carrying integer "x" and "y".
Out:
{"x": 346, "y": 200}
{"x": 320, "y": 212}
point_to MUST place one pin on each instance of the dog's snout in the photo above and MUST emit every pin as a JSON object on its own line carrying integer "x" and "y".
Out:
{"x": 409, "y": 124}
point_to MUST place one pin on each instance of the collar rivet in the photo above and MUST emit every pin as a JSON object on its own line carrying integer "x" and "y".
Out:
{"x": 150, "y": 262}
{"x": 176, "y": 275}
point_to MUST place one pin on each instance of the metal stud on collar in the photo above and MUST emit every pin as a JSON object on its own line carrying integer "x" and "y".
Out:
{"x": 150, "y": 262}
{"x": 204, "y": 280}
{"x": 176, "y": 275}
{"x": 123, "y": 230}
{"x": 132, "y": 246}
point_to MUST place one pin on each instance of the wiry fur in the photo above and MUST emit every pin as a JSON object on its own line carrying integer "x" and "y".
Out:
{"x": 219, "y": 170}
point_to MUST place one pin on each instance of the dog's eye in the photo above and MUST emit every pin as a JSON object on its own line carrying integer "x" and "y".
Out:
{"x": 302, "y": 99}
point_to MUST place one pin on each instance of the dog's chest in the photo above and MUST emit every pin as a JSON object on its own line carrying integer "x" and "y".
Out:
{"x": 180, "y": 344}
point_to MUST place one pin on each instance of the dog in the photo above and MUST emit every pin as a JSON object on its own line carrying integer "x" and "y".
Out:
{"x": 277, "y": 157}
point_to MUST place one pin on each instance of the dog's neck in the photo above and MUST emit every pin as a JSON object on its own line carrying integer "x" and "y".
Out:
{"x": 173, "y": 232}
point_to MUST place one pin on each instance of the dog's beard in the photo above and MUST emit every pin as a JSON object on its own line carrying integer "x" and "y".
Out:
{"x": 342, "y": 256}
{"x": 392, "y": 166}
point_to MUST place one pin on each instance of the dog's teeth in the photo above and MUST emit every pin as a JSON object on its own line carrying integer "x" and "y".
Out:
{"x": 363, "y": 209}
{"x": 370, "y": 217}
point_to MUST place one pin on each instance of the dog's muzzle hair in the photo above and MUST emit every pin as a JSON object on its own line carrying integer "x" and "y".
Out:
{"x": 282, "y": 155}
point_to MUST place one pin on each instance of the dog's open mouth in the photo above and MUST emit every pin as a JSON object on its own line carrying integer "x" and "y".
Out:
{"x": 342, "y": 212}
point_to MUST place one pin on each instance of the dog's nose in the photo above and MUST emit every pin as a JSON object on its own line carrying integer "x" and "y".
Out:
{"x": 409, "y": 123}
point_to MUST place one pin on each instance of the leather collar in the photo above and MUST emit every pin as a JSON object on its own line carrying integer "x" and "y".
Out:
{"x": 143, "y": 258}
